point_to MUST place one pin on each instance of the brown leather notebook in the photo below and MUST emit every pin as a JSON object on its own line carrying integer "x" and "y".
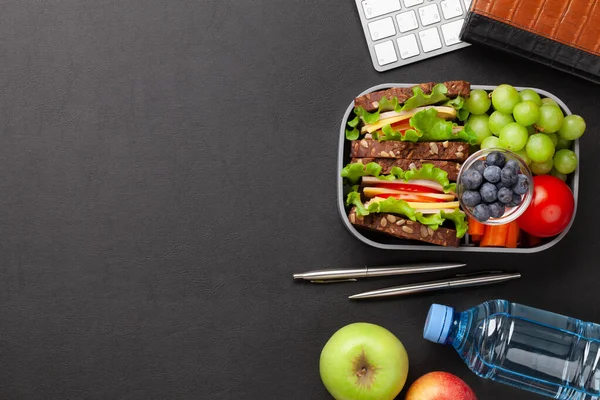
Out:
{"x": 563, "y": 34}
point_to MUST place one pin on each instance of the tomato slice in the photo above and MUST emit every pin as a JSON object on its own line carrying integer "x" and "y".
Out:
{"x": 408, "y": 188}
{"x": 411, "y": 197}
{"x": 402, "y": 125}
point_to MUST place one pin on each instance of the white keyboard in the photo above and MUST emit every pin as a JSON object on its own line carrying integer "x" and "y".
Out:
{"x": 401, "y": 32}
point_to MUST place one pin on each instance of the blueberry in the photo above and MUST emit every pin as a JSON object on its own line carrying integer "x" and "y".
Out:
{"x": 496, "y": 158}
{"x": 513, "y": 164}
{"x": 488, "y": 192}
{"x": 479, "y": 166}
{"x": 471, "y": 198}
{"x": 496, "y": 210}
{"x": 501, "y": 185}
{"x": 505, "y": 195}
{"x": 516, "y": 200}
{"x": 472, "y": 179}
{"x": 482, "y": 212}
{"x": 509, "y": 176}
{"x": 521, "y": 186}
{"x": 492, "y": 173}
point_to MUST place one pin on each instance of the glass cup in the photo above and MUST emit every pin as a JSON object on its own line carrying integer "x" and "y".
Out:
{"x": 510, "y": 214}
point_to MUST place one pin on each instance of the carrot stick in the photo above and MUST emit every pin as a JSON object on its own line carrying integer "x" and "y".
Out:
{"x": 512, "y": 236}
{"x": 494, "y": 236}
{"x": 476, "y": 238}
{"x": 475, "y": 227}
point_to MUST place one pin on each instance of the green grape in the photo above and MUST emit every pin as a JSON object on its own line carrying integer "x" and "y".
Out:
{"x": 572, "y": 128}
{"x": 565, "y": 161}
{"x": 478, "y": 102}
{"x": 498, "y": 121}
{"x": 479, "y": 125}
{"x": 489, "y": 142}
{"x": 530, "y": 95}
{"x": 553, "y": 137}
{"x": 550, "y": 120}
{"x": 505, "y": 98}
{"x": 523, "y": 154}
{"x": 526, "y": 113}
{"x": 514, "y": 136}
{"x": 547, "y": 101}
{"x": 557, "y": 174}
{"x": 539, "y": 148}
{"x": 563, "y": 144}
{"x": 541, "y": 168}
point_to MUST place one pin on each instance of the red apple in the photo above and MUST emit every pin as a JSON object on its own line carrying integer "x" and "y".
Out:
{"x": 440, "y": 386}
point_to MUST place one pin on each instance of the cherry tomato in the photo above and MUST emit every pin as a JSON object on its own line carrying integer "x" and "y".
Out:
{"x": 408, "y": 187}
{"x": 551, "y": 207}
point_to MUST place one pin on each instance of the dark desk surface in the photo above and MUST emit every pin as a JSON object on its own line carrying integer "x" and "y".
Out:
{"x": 165, "y": 166}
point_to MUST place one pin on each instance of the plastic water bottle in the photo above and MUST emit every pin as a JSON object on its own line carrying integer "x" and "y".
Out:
{"x": 531, "y": 349}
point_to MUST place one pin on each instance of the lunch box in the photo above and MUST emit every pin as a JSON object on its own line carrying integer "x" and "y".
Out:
{"x": 382, "y": 241}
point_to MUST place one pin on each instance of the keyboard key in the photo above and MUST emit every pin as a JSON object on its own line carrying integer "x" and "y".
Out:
{"x": 451, "y": 8}
{"x": 429, "y": 14}
{"x": 410, "y": 3}
{"x": 382, "y": 29}
{"x": 375, "y": 8}
{"x": 408, "y": 46}
{"x": 468, "y": 4}
{"x": 451, "y": 32}
{"x": 407, "y": 21}
{"x": 386, "y": 54}
{"x": 430, "y": 40}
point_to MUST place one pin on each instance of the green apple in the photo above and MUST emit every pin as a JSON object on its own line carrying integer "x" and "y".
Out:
{"x": 363, "y": 361}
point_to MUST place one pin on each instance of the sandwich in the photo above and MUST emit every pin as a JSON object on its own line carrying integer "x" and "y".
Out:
{"x": 407, "y": 146}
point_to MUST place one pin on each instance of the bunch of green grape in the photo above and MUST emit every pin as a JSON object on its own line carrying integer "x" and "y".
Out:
{"x": 534, "y": 128}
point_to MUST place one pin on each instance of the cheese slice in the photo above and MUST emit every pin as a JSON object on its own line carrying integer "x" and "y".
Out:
{"x": 424, "y": 206}
{"x": 392, "y": 117}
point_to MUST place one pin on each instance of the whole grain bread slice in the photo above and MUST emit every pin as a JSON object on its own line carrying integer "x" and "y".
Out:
{"x": 404, "y": 228}
{"x": 448, "y": 151}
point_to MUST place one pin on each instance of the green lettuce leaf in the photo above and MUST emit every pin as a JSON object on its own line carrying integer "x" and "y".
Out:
{"x": 458, "y": 103}
{"x": 390, "y": 134}
{"x": 401, "y": 207}
{"x": 428, "y": 127}
{"x": 460, "y": 221}
{"x": 352, "y": 134}
{"x": 462, "y": 114}
{"x": 353, "y": 123}
{"x": 434, "y": 128}
{"x": 419, "y": 99}
{"x": 393, "y": 206}
{"x": 431, "y": 220}
{"x": 429, "y": 172}
{"x": 354, "y": 171}
{"x": 354, "y": 199}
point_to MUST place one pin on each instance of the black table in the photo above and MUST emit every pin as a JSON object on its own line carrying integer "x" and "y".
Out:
{"x": 167, "y": 165}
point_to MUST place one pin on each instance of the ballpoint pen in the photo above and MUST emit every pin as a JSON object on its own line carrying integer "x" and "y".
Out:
{"x": 349, "y": 275}
{"x": 477, "y": 279}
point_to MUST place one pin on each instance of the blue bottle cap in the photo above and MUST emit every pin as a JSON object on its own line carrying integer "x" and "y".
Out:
{"x": 439, "y": 321}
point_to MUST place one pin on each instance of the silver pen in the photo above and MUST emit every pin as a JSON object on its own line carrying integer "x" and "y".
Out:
{"x": 350, "y": 275}
{"x": 477, "y": 279}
